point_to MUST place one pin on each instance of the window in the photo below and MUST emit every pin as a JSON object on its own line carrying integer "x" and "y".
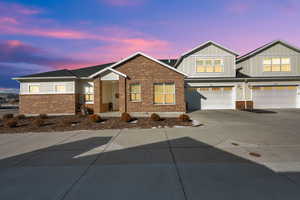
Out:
{"x": 89, "y": 93}
{"x": 164, "y": 93}
{"x": 209, "y": 65}
{"x": 60, "y": 88}
{"x": 135, "y": 92}
{"x": 34, "y": 88}
{"x": 277, "y": 65}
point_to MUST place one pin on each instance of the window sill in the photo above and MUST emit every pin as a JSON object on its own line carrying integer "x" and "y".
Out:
{"x": 88, "y": 102}
{"x": 135, "y": 101}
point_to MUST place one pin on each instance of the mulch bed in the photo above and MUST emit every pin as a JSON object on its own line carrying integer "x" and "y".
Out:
{"x": 83, "y": 123}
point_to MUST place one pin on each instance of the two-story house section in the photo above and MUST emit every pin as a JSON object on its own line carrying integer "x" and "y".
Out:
{"x": 272, "y": 75}
{"x": 211, "y": 81}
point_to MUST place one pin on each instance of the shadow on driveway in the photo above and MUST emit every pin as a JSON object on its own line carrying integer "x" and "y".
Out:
{"x": 86, "y": 169}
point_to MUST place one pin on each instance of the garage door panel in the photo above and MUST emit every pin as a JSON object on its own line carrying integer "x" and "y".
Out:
{"x": 275, "y": 97}
{"x": 210, "y": 98}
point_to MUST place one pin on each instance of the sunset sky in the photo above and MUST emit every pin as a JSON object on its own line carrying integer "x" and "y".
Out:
{"x": 40, "y": 35}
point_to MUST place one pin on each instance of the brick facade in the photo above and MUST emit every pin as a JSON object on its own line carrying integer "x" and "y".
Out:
{"x": 147, "y": 72}
{"x": 48, "y": 104}
{"x": 242, "y": 105}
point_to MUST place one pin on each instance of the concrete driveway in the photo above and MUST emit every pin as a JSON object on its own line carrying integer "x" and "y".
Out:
{"x": 208, "y": 162}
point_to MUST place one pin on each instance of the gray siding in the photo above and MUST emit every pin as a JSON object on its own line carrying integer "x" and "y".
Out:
{"x": 188, "y": 64}
{"x": 254, "y": 65}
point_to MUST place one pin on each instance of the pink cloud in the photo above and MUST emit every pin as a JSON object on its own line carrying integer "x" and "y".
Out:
{"x": 8, "y": 20}
{"x": 123, "y": 2}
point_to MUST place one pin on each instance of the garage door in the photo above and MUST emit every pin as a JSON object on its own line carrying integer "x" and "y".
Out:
{"x": 210, "y": 98}
{"x": 275, "y": 96}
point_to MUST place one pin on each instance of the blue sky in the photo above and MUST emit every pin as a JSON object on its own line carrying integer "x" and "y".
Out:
{"x": 37, "y": 36}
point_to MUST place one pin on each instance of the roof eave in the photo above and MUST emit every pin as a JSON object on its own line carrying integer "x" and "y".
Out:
{"x": 38, "y": 78}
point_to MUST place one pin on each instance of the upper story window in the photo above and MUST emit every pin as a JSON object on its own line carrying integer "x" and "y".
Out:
{"x": 209, "y": 65}
{"x": 60, "y": 88}
{"x": 34, "y": 88}
{"x": 89, "y": 93}
{"x": 135, "y": 92}
{"x": 164, "y": 93}
{"x": 277, "y": 64}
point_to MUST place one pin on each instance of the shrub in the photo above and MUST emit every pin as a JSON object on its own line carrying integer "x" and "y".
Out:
{"x": 184, "y": 118}
{"x": 155, "y": 117}
{"x": 11, "y": 123}
{"x": 38, "y": 122}
{"x": 43, "y": 116}
{"x": 7, "y": 116}
{"x": 125, "y": 117}
{"x": 95, "y": 118}
{"x": 20, "y": 117}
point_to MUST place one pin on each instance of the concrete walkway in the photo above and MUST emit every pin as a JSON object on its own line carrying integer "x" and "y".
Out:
{"x": 208, "y": 162}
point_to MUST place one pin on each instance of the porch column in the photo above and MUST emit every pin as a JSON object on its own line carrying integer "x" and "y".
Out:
{"x": 97, "y": 95}
{"x": 122, "y": 95}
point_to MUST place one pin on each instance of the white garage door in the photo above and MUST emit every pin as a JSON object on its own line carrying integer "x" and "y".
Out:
{"x": 275, "y": 97}
{"x": 210, "y": 98}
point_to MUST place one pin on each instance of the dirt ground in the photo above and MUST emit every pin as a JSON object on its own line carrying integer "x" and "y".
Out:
{"x": 84, "y": 123}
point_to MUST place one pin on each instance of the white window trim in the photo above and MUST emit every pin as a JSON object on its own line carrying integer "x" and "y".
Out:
{"x": 279, "y": 57}
{"x": 212, "y": 59}
{"x": 135, "y": 93}
{"x": 34, "y": 84}
{"x": 164, "y": 104}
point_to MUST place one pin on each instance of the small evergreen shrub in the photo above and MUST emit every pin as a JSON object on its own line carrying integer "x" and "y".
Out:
{"x": 155, "y": 117}
{"x": 125, "y": 117}
{"x": 95, "y": 118}
{"x": 11, "y": 123}
{"x": 184, "y": 118}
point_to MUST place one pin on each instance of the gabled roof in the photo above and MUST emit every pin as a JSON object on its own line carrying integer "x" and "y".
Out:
{"x": 134, "y": 55}
{"x": 201, "y": 46}
{"x": 84, "y": 72}
{"x": 264, "y": 47}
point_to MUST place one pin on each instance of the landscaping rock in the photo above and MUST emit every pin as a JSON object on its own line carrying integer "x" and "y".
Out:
{"x": 195, "y": 123}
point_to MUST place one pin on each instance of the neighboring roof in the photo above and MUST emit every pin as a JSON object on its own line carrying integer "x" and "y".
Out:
{"x": 170, "y": 62}
{"x": 201, "y": 46}
{"x": 264, "y": 47}
{"x": 134, "y": 55}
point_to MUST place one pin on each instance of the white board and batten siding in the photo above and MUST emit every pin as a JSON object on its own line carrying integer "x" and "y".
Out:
{"x": 253, "y": 66}
{"x": 47, "y": 87}
{"x": 188, "y": 64}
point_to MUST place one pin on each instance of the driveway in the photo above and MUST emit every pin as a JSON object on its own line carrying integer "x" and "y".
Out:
{"x": 208, "y": 162}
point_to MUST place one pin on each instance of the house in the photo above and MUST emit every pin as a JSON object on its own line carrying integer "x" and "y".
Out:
{"x": 209, "y": 76}
{"x": 138, "y": 83}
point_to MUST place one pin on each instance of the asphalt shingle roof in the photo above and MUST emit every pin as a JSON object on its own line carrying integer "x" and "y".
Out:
{"x": 57, "y": 73}
{"x": 84, "y": 72}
